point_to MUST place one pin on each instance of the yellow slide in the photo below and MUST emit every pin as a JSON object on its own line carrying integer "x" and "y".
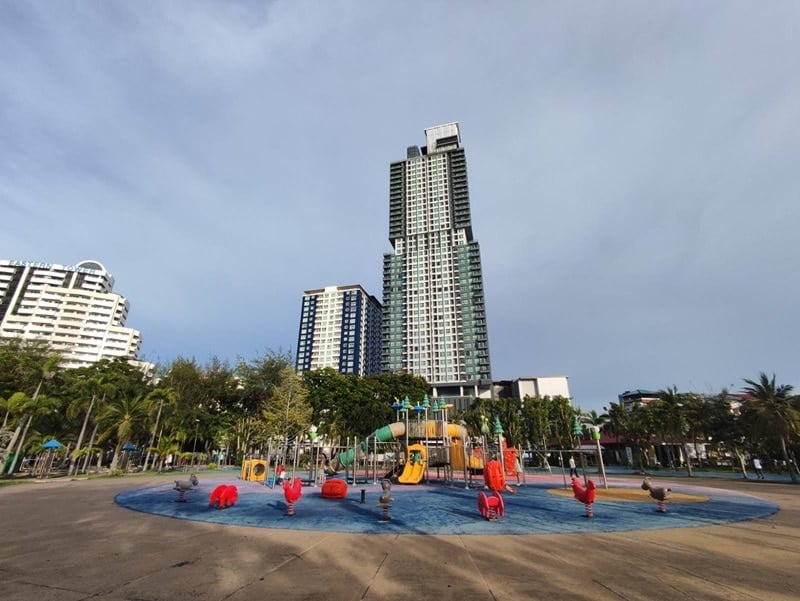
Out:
{"x": 412, "y": 474}
{"x": 473, "y": 463}
{"x": 414, "y": 469}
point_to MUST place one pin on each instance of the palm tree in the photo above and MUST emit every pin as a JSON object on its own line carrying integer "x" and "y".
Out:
{"x": 4, "y": 406}
{"x": 634, "y": 425}
{"x": 34, "y": 405}
{"x": 157, "y": 398}
{"x": 163, "y": 449}
{"x": 775, "y": 411}
{"x": 14, "y": 406}
{"x": 96, "y": 389}
{"x": 122, "y": 418}
{"x": 668, "y": 414}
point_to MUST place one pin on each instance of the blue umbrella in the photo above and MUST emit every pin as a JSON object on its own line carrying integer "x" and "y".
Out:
{"x": 50, "y": 446}
{"x": 129, "y": 447}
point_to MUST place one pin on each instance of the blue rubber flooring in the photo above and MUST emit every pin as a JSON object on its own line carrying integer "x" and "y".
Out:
{"x": 444, "y": 509}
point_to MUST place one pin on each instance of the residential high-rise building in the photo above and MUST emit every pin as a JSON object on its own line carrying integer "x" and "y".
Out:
{"x": 434, "y": 316}
{"x": 72, "y": 308}
{"x": 340, "y": 327}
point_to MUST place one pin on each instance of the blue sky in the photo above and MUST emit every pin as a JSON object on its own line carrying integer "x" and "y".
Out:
{"x": 632, "y": 168}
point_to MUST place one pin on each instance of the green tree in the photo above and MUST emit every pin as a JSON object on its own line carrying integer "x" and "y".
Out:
{"x": 156, "y": 401}
{"x": 361, "y": 411}
{"x": 389, "y": 387}
{"x": 122, "y": 420}
{"x": 89, "y": 387}
{"x": 38, "y": 404}
{"x": 21, "y": 364}
{"x": 346, "y": 405}
{"x": 634, "y": 425}
{"x": 668, "y": 420}
{"x": 285, "y": 411}
{"x": 562, "y": 418}
{"x": 328, "y": 390}
{"x": 163, "y": 448}
{"x": 773, "y": 408}
{"x": 536, "y": 426}
{"x": 724, "y": 425}
{"x": 259, "y": 378}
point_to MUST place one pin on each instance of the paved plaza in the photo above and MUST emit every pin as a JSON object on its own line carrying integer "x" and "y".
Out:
{"x": 86, "y": 539}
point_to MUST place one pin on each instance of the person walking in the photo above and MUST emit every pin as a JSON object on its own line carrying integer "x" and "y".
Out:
{"x": 520, "y": 473}
{"x": 573, "y": 469}
{"x": 757, "y": 467}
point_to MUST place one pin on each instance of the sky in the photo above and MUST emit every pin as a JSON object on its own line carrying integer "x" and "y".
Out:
{"x": 633, "y": 170}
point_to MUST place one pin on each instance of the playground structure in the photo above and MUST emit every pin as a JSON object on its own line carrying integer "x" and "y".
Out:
{"x": 297, "y": 459}
{"x": 254, "y": 470}
{"x": 416, "y": 448}
{"x": 410, "y": 451}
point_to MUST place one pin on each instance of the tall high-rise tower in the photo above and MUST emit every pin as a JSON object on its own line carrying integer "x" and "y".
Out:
{"x": 434, "y": 316}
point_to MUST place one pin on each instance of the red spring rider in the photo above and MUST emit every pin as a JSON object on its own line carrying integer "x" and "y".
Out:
{"x": 292, "y": 491}
{"x": 223, "y": 496}
{"x": 491, "y": 507}
{"x": 585, "y": 495}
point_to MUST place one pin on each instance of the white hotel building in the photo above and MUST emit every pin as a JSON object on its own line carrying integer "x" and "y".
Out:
{"x": 72, "y": 308}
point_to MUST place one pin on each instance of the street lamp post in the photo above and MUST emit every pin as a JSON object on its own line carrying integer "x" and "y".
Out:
{"x": 685, "y": 447}
{"x": 194, "y": 445}
{"x": 405, "y": 409}
{"x": 312, "y": 436}
{"x": 596, "y": 435}
{"x": 485, "y": 431}
{"x": 447, "y": 454}
{"x": 426, "y": 405}
{"x": 438, "y": 407}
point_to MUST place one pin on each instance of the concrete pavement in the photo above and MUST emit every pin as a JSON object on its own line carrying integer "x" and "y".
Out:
{"x": 69, "y": 541}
